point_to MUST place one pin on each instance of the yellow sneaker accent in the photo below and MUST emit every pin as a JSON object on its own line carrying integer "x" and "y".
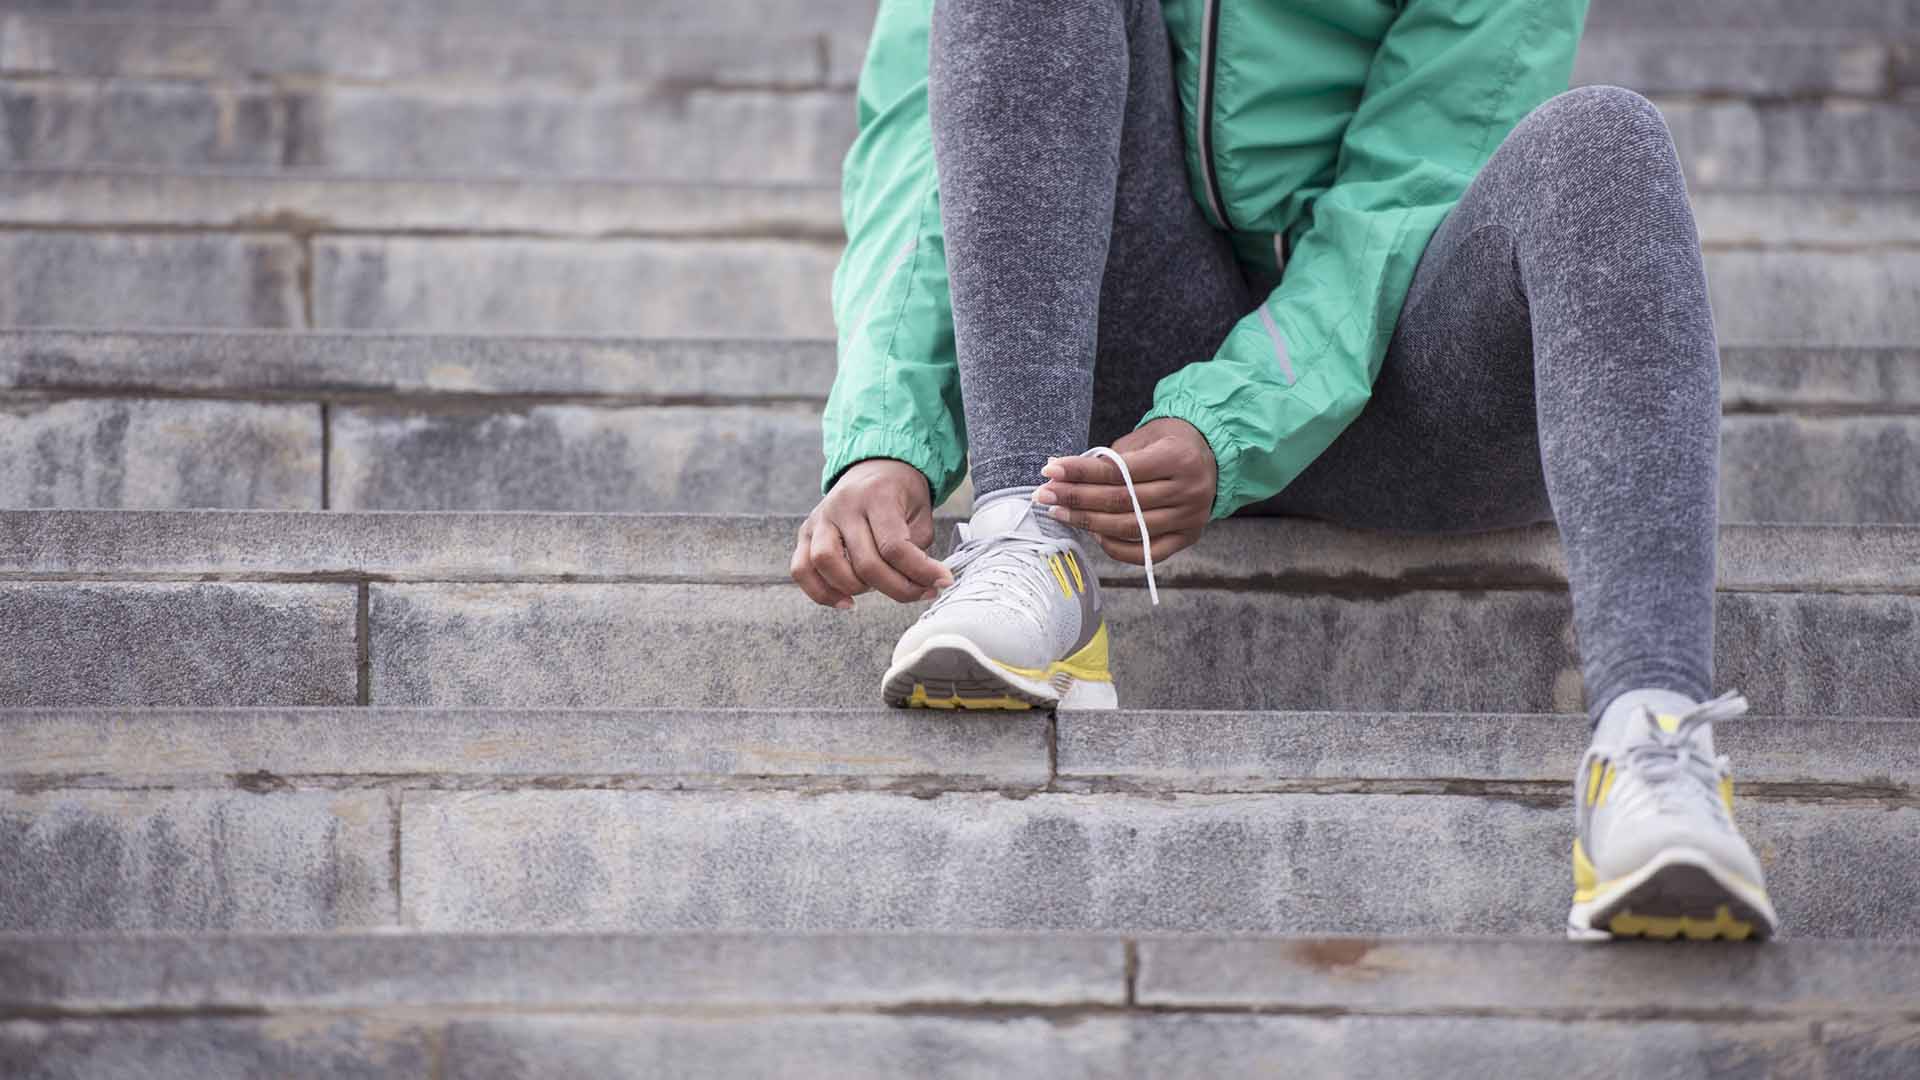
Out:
{"x": 1073, "y": 564}
{"x": 1726, "y": 793}
{"x": 1586, "y": 881}
{"x": 1668, "y": 722}
{"x": 919, "y": 700}
{"x": 1668, "y": 927}
{"x": 1090, "y": 664}
{"x": 1059, "y": 576}
{"x": 1599, "y": 782}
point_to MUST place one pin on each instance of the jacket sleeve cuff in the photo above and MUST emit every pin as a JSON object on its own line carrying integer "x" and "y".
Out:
{"x": 1226, "y": 449}
{"x": 914, "y": 449}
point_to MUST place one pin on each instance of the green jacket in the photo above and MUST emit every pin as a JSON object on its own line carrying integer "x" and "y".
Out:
{"x": 1344, "y": 130}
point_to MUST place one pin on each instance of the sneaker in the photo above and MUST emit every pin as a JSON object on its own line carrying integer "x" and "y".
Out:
{"x": 1656, "y": 852}
{"x": 1021, "y": 625}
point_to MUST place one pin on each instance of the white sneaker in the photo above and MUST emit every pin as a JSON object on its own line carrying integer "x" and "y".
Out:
{"x": 1656, "y": 852}
{"x": 1020, "y": 627}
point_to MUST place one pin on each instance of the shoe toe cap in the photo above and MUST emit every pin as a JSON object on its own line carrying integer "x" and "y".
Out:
{"x": 1630, "y": 848}
{"x": 1008, "y": 641}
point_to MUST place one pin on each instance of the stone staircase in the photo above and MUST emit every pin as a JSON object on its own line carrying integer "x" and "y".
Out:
{"x": 408, "y": 410}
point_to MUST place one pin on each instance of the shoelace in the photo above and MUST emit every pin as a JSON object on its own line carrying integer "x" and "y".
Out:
{"x": 1670, "y": 753}
{"x": 1026, "y": 577}
{"x": 1139, "y": 517}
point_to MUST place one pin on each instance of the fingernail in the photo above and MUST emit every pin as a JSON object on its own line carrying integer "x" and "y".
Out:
{"x": 844, "y": 605}
{"x": 1052, "y": 471}
{"x": 944, "y": 583}
{"x": 1059, "y": 513}
{"x": 929, "y": 594}
{"x": 1045, "y": 497}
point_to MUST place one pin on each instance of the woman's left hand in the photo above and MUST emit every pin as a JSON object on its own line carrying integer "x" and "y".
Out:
{"x": 1174, "y": 475}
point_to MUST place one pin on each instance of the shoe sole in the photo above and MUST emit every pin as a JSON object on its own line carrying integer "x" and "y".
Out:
{"x": 950, "y": 672}
{"x": 1679, "y": 893}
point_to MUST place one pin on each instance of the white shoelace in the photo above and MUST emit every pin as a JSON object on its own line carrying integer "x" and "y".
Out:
{"x": 1673, "y": 754}
{"x": 1139, "y": 517}
{"x": 1026, "y": 578}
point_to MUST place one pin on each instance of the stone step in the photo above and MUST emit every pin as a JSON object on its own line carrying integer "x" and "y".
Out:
{"x": 1776, "y": 61}
{"x": 719, "y": 287}
{"x": 688, "y": 819}
{"x": 1732, "y": 15}
{"x": 125, "y": 452}
{"x": 946, "y": 1005}
{"x": 490, "y": 15}
{"x": 782, "y": 54}
{"x": 858, "y": 14}
{"x": 699, "y": 132}
{"x": 1846, "y": 145}
{"x": 244, "y": 420}
{"x": 346, "y": 367}
{"x": 308, "y": 204}
{"x": 660, "y": 132}
{"x": 587, "y": 610}
{"x": 654, "y": 287}
{"x": 1779, "y": 60}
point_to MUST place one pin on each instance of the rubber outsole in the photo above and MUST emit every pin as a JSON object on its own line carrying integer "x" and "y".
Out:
{"x": 949, "y": 672}
{"x": 1681, "y": 898}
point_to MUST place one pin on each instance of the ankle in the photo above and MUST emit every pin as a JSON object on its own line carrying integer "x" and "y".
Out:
{"x": 1614, "y": 725}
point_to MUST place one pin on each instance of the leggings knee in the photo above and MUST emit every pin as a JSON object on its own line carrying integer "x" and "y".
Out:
{"x": 1602, "y": 131}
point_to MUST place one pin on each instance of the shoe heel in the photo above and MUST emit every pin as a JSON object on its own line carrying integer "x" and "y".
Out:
{"x": 1086, "y": 695}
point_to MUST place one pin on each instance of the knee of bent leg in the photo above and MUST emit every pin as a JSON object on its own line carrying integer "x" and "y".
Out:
{"x": 1603, "y": 128}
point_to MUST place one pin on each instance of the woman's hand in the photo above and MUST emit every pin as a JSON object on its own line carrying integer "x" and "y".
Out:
{"x": 1173, "y": 474}
{"x": 872, "y": 531}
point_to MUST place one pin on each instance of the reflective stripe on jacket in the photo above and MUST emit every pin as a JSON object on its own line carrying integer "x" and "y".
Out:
{"x": 1340, "y": 130}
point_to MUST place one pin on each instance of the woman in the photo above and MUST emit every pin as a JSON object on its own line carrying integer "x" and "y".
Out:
{"x": 1348, "y": 259}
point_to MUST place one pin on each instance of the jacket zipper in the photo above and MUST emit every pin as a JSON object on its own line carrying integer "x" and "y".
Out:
{"x": 1210, "y": 14}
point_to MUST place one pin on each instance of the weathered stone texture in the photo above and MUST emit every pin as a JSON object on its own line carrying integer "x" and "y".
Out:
{"x": 122, "y": 122}
{"x": 1245, "y": 751}
{"x": 1766, "y": 64}
{"x": 1870, "y": 1050}
{"x": 1470, "y": 1048}
{"x": 807, "y": 1047}
{"x": 245, "y": 363}
{"x": 401, "y": 50}
{"x": 625, "y": 645}
{"x": 1815, "y": 298}
{"x": 784, "y": 136}
{"x": 195, "y": 860}
{"x": 1773, "y": 15}
{"x": 338, "y": 1048}
{"x": 1790, "y": 378}
{"x": 1852, "y": 469}
{"x": 116, "y": 643}
{"x": 300, "y": 201}
{"x": 144, "y": 453}
{"x": 753, "y": 549}
{"x": 701, "y": 289}
{"x": 1221, "y": 863}
{"x": 578, "y": 458}
{"x": 156, "y": 280}
{"x": 664, "y": 748}
{"x": 1521, "y": 975}
{"x": 379, "y": 969}
{"x": 1846, "y": 144}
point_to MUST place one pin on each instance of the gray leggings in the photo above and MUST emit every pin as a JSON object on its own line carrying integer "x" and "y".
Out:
{"x": 1554, "y": 361}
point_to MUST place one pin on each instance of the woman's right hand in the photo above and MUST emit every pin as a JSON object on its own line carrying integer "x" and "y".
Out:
{"x": 872, "y": 531}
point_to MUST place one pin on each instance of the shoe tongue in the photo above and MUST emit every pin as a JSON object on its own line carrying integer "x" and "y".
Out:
{"x": 1011, "y": 513}
{"x": 1622, "y": 724}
